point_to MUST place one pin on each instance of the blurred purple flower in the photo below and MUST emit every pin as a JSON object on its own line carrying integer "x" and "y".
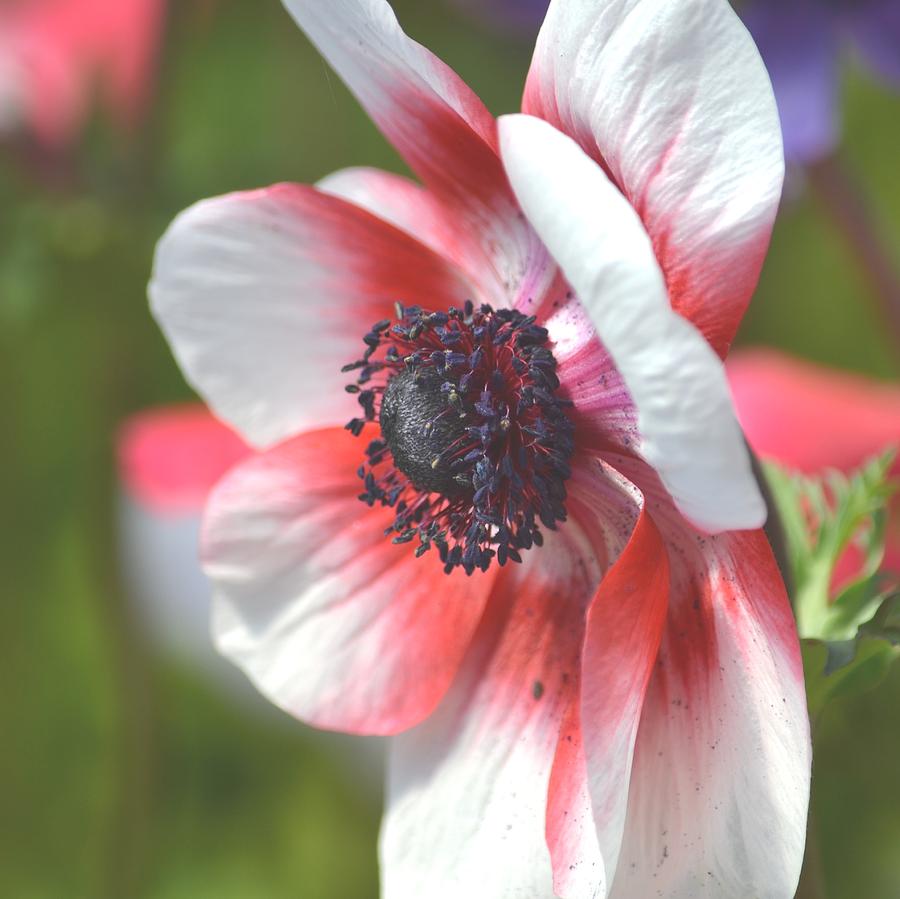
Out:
{"x": 800, "y": 42}
{"x": 516, "y": 15}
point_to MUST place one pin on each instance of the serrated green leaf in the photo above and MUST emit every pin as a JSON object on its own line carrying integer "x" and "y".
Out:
{"x": 851, "y": 640}
{"x": 821, "y": 518}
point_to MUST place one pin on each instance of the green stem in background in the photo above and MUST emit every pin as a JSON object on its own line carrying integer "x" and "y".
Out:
{"x": 810, "y": 610}
{"x": 843, "y": 200}
{"x": 812, "y": 879}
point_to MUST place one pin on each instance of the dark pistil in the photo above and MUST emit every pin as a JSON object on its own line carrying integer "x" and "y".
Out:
{"x": 418, "y": 432}
{"x": 475, "y": 443}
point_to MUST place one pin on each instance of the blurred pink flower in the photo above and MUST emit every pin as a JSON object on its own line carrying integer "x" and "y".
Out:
{"x": 623, "y": 713}
{"x": 169, "y": 459}
{"x": 810, "y": 418}
{"x": 55, "y": 53}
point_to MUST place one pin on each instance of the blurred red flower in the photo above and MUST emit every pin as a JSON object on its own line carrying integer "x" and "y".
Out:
{"x": 810, "y": 418}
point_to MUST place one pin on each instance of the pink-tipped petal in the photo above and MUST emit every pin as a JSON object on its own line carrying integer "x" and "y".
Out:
{"x": 331, "y": 620}
{"x": 588, "y": 792}
{"x": 441, "y": 129}
{"x": 265, "y": 295}
{"x": 720, "y": 779}
{"x": 674, "y": 101}
{"x": 688, "y": 430}
{"x": 171, "y": 457}
{"x": 467, "y": 789}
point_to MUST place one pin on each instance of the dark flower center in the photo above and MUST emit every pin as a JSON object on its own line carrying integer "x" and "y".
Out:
{"x": 475, "y": 444}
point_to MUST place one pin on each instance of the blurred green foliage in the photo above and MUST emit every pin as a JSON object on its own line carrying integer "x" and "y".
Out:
{"x": 123, "y": 776}
{"x": 849, "y": 632}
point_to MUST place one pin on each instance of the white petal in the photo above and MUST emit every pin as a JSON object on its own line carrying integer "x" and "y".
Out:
{"x": 588, "y": 794}
{"x": 441, "y": 129}
{"x": 265, "y": 295}
{"x": 467, "y": 789}
{"x": 674, "y": 99}
{"x": 473, "y": 809}
{"x": 384, "y": 68}
{"x": 330, "y": 620}
{"x": 688, "y": 428}
{"x": 720, "y": 781}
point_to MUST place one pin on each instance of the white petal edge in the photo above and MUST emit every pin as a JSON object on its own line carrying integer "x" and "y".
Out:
{"x": 689, "y": 432}
{"x": 264, "y": 295}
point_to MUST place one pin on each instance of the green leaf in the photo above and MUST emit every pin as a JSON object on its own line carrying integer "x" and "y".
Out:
{"x": 822, "y": 517}
{"x": 829, "y": 678}
{"x": 849, "y": 640}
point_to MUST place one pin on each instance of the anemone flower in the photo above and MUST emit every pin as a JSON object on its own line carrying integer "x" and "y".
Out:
{"x": 810, "y": 418}
{"x": 801, "y": 43}
{"x": 532, "y": 341}
{"x": 54, "y": 52}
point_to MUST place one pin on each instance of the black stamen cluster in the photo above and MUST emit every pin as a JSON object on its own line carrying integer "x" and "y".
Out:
{"x": 475, "y": 445}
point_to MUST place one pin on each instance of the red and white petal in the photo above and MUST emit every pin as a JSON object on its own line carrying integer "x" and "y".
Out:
{"x": 441, "y": 129}
{"x": 467, "y": 789}
{"x": 406, "y": 89}
{"x": 688, "y": 429}
{"x": 603, "y": 412}
{"x": 674, "y": 101}
{"x": 588, "y": 793}
{"x": 265, "y": 295}
{"x": 720, "y": 780}
{"x": 329, "y": 619}
{"x": 402, "y": 202}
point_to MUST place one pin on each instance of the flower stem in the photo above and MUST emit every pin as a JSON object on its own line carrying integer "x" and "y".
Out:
{"x": 842, "y": 198}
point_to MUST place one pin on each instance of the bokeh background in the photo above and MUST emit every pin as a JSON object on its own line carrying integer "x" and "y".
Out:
{"x": 130, "y": 770}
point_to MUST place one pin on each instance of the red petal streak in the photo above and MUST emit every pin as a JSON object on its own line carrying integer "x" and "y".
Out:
{"x": 330, "y": 620}
{"x": 591, "y": 772}
{"x": 442, "y": 129}
{"x": 720, "y": 778}
{"x": 466, "y": 176}
{"x": 468, "y": 788}
{"x": 689, "y": 133}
